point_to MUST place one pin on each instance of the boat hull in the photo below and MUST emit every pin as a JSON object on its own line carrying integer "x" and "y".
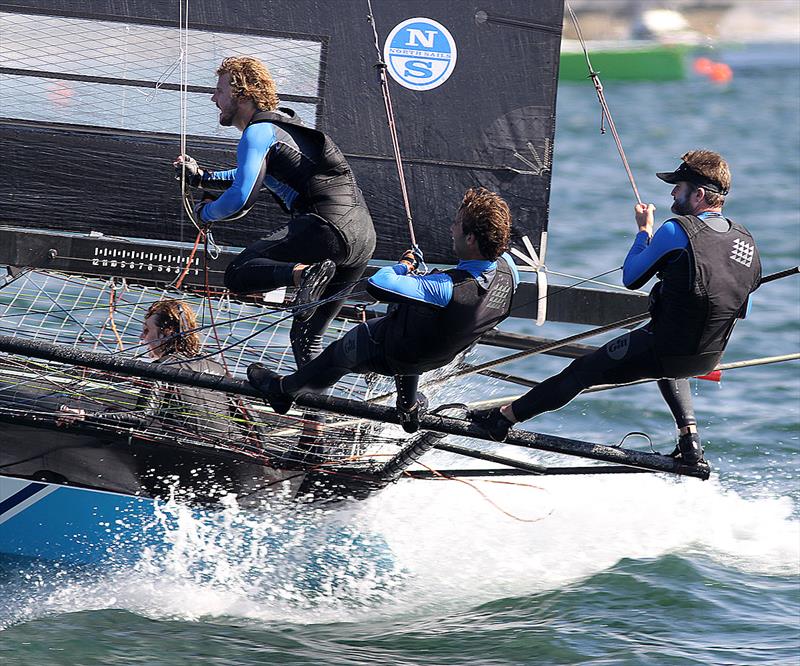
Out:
{"x": 74, "y": 525}
{"x": 654, "y": 63}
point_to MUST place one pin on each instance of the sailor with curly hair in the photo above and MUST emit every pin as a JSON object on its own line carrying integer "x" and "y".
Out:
{"x": 325, "y": 247}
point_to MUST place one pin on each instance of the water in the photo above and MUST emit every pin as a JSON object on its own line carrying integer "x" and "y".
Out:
{"x": 636, "y": 569}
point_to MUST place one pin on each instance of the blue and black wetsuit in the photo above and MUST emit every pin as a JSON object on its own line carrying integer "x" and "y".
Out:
{"x": 707, "y": 266}
{"x": 431, "y": 319}
{"x": 311, "y": 180}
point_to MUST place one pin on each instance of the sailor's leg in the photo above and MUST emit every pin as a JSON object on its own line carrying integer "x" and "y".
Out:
{"x": 410, "y": 402}
{"x": 277, "y": 261}
{"x": 356, "y": 352}
{"x": 678, "y": 396}
{"x": 406, "y": 391}
{"x": 627, "y": 358}
{"x": 306, "y": 336}
{"x": 254, "y": 270}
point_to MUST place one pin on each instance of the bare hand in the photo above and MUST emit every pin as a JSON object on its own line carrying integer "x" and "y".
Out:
{"x": 644, "y": 217}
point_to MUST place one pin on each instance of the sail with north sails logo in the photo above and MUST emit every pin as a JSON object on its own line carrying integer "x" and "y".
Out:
{"x": 91, "y": 108}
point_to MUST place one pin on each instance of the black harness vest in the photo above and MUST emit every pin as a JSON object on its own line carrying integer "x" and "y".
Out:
{"x": 324, "y": 183}
{"x": 421, "y": 337}
{"x": 699, "y": 297}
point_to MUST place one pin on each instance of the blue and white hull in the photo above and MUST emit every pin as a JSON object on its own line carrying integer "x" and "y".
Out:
{"x": 76, "y": 525}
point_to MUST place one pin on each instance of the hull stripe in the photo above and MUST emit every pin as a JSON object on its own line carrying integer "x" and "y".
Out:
{"x": 22, "y": 499}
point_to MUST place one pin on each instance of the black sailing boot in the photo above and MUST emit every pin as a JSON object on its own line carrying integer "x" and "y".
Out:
{"x": 493, "y": 422}
{"x": 268, "y": 382}
{"x": 409, "y": 417}
{"x": 689, "y": 449}
{"x": 313, "y": 281}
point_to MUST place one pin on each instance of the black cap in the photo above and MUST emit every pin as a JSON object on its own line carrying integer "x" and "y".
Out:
{"x": 685, "y": 173}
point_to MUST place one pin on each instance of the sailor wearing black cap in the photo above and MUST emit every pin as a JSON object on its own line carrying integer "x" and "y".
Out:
{"x": 707, "y": 267}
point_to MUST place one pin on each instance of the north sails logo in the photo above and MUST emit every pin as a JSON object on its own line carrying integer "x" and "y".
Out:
{"x": 420, "y": 53}
{"x": 742, "y": 252}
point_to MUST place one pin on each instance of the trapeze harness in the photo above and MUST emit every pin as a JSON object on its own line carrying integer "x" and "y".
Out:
{"x": 414, "y": 337}
{"x": 308, "y": 176}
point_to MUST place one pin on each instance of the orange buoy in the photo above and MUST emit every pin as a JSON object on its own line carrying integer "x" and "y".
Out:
{"x": 721, "y": 73}
{"x": 703, "y": 66}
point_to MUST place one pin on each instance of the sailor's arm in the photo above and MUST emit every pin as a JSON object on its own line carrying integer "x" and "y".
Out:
{"x": 394, "y": 284}
{"x": 648, "y": 256}
{"x": 241, "y": 196}
{"x": 148, "y": 405}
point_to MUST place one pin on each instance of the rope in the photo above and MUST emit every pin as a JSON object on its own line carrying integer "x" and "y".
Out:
{"x": 387, "y": 103}
{"x": 606, "y": 115}
{"x": 112, "y": 308}
{"x": 187, "y": 197}
{"x": 794, "y": 270}
{"x": 438, "y": 474}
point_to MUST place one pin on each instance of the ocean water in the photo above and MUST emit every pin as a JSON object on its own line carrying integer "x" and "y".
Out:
{"x": 635, "y": 569}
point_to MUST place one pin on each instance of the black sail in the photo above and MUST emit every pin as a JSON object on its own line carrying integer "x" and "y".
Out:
{"x": 90, "y": 117}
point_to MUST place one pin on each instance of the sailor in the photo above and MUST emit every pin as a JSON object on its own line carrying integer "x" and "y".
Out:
{"x": 707, "y": 267}
{"x": 431, "y": 319}
{"x": 325, "y": 247}
{"x": 169, "y": 333}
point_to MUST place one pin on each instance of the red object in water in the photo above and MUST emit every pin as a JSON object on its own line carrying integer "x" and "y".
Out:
{"x": 703, "y": 66}
{"x": 721, "y": 73}
{"x": 718, "y": 72}
{"x": 713, "y": 376}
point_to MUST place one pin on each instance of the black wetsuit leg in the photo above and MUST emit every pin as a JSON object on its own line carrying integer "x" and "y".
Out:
{"x": 268, "y": 263}
{"x": 307, "y": 336}
{"x": 624, "y": 359}
{"x": 355, "y": 248}
{"x": 406, "y": 390}
{"x": 678, "y": 396}
{"x": 359, "y": 351}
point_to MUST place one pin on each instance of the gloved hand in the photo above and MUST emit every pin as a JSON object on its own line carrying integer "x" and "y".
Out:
{"x": 194, "y": 174}
{"x": 411, "y": 259}
{"x": 198, "y": 209}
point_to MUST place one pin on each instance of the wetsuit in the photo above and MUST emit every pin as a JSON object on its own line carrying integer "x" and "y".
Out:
{"x": 311, "y": 180}
{"x": 431, "y": 320}
{"x": 707, "y": 266}
{"x": 194, "y": 412}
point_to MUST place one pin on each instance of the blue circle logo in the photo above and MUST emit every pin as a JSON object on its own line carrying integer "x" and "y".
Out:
{"x": 420, "y": 54}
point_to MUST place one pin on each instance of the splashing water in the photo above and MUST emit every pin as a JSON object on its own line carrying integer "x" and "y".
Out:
{"x": 418, "y": 545}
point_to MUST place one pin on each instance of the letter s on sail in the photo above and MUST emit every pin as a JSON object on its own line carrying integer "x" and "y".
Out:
{"x": 418, "y": 69}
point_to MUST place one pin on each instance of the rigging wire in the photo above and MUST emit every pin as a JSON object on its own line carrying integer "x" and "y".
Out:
{"x": 606, "y": 112}
{"x": 380, "y": 65}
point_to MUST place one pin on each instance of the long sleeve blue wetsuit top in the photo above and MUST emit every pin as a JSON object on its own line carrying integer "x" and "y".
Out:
{"x": 434, "y": 289}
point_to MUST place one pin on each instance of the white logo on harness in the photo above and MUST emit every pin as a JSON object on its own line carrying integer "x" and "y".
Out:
{"x": 420, "y": 53}
{"x": 618, "y": 347}
{"x": 742, "y": 252}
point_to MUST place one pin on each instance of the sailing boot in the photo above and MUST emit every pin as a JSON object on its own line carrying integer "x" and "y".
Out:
{"x": 409, "y": 417}
{"x": 313, "y": 281}
{"x": 268, "y": 382}
{"x": 689, "y": 449}
{"x": 492, "y": 421}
